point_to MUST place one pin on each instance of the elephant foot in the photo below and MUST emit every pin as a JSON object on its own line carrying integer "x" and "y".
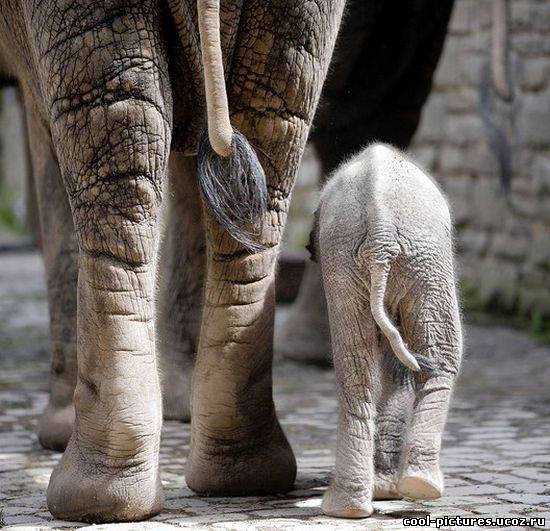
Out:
{"x": 343, "y": 503}
{"x": 55, "y": 427}
{"x": 385, "y": 488}
{"x": 81, "y": 489}
{"x": 424, "y": 483}
{"x": 176, "y": 396}
{"x": 251, "y": 466}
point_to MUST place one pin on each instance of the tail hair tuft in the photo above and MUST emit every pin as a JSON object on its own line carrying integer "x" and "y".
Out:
{"x": 235, "y": 189}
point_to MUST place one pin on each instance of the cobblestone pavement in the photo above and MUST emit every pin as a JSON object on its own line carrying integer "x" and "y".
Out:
{"x": 496, "y": 457}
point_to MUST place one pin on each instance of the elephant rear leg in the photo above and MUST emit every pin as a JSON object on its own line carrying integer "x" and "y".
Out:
{"x": 431, "y": 325}
{"x": 181, "y": 276}
{"x": 60, "y": 253}
{"x": 394, "y": 410}
{"x": 237, "y": 444}
{"x": 304, "y": 334}
{"x": 108, "y": 99}
{"x": 358, "y": 368}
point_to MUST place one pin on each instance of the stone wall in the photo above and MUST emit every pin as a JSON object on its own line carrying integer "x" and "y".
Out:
{"x": 473, "y": 140}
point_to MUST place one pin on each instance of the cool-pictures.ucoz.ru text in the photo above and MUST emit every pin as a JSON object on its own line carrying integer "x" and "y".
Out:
{"x": 471, "y": 521}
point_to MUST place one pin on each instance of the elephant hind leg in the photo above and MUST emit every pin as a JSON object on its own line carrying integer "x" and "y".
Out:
{"x": 237, "y": 444}
{"x": 394, "y": 410}
{"x": 303, "y": 335}
{"x": 358, "y": 369}
{"x": 432, "y": 328}
{"x": 60, "y": 254}
{"x": 181, "y": 278}
{"x": 112, "y": 143}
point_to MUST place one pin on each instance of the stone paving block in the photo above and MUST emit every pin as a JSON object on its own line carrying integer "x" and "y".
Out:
{"x": 526, "y": 497}
{"x": 135, "y": 526}
{"x": 532, "y": 488}
{"x": 23, "y": 519}
{"x": 496, "y": 479}
{"x": 61, "y": 524}
{"x": 503, "y": 509}
{"x": 468, "y": 501}
{"x": 533, "y": 473}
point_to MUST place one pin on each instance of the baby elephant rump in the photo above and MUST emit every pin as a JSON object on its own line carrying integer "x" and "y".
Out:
{"x": 383, "y": 237}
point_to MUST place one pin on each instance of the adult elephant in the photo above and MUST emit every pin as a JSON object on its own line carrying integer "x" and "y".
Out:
{"x": 111, "y": 89}
{"x": 379, "y": 81}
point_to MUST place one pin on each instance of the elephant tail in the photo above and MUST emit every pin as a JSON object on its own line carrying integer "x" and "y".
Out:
{"x": 378, "y": 282}
{"x": 231, "y": 178}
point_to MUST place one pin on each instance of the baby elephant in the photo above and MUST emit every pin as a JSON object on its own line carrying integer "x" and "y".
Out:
{"x": 383, "y": 238}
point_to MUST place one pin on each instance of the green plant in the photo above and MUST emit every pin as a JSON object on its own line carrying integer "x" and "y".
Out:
{"x": 8, "y": 219}
{"x": 491, "y": 311}
{"x": 540, "y": 326}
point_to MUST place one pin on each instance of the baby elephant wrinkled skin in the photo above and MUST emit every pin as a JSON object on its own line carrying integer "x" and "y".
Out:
{"x": 383, "y": 237}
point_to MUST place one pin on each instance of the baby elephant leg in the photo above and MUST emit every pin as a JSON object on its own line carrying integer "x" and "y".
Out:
{"x": 392, "y": 419}
{"x": 357, "y": 367}
{"x": 431, "y": 324}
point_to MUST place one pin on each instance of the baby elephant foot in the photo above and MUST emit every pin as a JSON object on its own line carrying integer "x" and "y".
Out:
{"x": 117, "y": 490}
{"x": 250, "y": 466}
{"x": 421, "y": 483}
{"x": 343, "y": 502}
{"x": 55, "y": 427}
{"x": 385, "y": 487}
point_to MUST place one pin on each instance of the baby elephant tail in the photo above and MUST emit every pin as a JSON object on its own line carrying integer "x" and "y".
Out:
{"x": 378, "y": 281}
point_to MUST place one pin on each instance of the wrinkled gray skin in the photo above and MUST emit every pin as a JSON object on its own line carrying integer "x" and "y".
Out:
{"x": 383, "y": 238}
{"x": 112, "y": 90}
